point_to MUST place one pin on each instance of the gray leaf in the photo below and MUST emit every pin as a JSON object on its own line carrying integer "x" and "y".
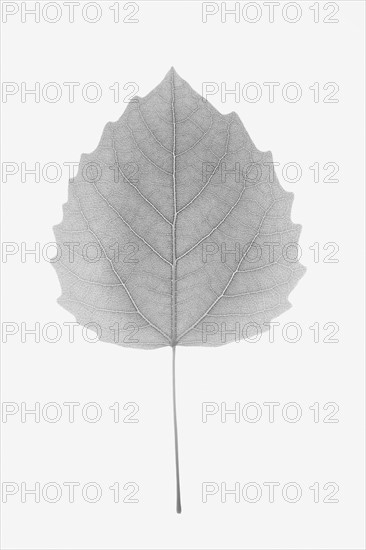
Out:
{"x": 189, "y": 229}
{"x": 187, "y": 224}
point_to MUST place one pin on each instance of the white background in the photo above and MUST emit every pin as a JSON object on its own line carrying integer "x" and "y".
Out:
{"x": 304, "y": 372}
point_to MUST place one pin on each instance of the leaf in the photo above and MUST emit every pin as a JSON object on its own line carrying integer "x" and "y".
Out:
{"x": 176, "y": 228}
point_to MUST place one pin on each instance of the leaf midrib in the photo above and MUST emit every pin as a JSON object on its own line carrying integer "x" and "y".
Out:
{"x": 174, "y": 225}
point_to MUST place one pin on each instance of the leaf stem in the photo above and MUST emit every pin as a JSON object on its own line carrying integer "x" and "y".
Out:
{"x": 179, "y": 506}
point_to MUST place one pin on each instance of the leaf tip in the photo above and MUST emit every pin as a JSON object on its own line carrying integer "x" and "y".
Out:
{"x": 172, "y": 72}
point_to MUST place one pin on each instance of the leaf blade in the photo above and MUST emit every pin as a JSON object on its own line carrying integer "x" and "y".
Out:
{"x": 171, "y": 215}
